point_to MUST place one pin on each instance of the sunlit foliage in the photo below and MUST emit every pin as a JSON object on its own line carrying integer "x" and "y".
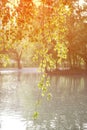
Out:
{"x": 54, "y": 31}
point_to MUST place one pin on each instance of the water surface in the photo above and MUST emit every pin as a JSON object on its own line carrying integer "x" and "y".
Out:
{"x": 67, "y": 110}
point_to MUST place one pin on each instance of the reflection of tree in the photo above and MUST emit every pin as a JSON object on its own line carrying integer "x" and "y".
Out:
{"x": 19, "y": 76}
{"x": 67, "y": 85}
{"x": 1, "y": 85}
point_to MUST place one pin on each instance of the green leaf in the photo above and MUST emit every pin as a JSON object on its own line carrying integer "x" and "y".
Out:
{"x": 44, "y": 89}
{"x": 49, "y": 96}
{"x": 35, "y": 115}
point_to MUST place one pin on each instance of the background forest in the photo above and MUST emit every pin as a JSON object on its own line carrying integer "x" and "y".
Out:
{"x": 49, "y": 34}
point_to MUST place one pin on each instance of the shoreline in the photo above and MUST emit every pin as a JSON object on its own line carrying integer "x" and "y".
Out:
{"x": 36, "y": 70}
{"x": 16, "y": 70}
{"x": 68, "y": 72}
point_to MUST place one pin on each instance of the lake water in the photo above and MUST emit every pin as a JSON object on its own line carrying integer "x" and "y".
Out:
{"x": 67, "y": 110}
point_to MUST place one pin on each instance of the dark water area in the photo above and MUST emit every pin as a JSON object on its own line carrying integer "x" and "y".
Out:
{"x": 67, "y": 110}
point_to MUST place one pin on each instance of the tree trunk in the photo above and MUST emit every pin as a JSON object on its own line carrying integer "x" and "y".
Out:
{"x": 19, "y": 60}
{"x": 19, "y": 63}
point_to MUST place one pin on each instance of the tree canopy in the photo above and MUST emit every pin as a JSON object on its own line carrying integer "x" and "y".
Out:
{"x": 52, "y": 34}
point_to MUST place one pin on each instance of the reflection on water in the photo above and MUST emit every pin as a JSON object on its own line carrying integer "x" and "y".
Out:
{"x": 66, "y": 111}
{"x": 12, "y": 123}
